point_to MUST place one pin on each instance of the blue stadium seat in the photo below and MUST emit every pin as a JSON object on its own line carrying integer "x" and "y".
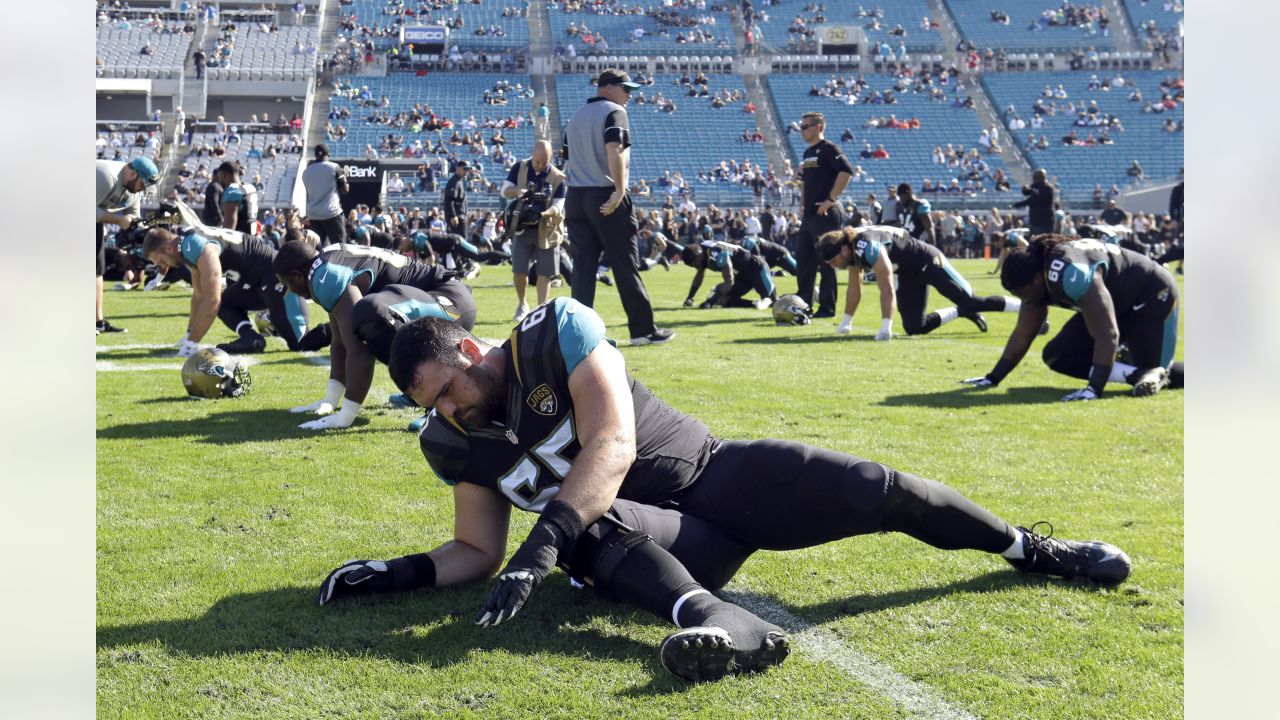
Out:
{"x": 973, "y": 20}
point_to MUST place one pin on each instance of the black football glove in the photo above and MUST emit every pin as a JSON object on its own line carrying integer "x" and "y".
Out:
{"x": 356, "y": 577}
{"x": 555, "y": 532}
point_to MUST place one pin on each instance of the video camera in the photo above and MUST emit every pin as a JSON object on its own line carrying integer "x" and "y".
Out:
{"x": 165, "y": 215}
{"x": 525, "y": 211}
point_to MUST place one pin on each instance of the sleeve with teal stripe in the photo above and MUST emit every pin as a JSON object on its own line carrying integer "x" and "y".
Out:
{"x": 328, "y": 283}
{"x": 579, "y": 329}
{"x": 870, "y": 252}
{"x": 233, "y": 194}
{"x": 1076, "y": 279}
{"x": 191, "y": 246}
{"x": 923, "y": 207}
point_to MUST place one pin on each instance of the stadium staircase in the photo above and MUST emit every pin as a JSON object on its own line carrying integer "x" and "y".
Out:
{"x": 939, "y": 12}
{"x": 1120, "y": 28}
{"x": 1015, "y": 161}
{"x": 323, "y": 85}
{"x": 195, "y": 93}
{"x": 769, "y": 124}
{"x": 541, "y": 70}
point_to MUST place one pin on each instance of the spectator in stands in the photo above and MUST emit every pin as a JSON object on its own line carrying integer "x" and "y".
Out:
{"x": 200, "y": 60}
{"x": 880, "y": 153}
{"x": 1136, "y": 172}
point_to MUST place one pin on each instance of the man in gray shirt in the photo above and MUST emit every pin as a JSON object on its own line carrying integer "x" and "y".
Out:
{"x": 325, "y": 181}
{"x": 120, "y": 188}
{"x": 598, "y": 211}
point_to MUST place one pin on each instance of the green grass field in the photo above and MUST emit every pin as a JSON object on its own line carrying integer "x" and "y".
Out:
{"x": 217, "y": 521}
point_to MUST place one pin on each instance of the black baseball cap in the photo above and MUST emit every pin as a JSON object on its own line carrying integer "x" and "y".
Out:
{"x": 462, "y": 164}
{"x": 322, "y": 151}
{"x": 614, "y": 76}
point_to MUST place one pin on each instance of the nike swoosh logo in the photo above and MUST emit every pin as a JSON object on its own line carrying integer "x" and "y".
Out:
{"x": 1139, "y": 306}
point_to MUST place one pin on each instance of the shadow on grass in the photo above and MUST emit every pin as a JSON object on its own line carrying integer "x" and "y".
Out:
{"x": 994, "y": 581}
{"x": 160, "y": 353}
{"x": 434, "y": 628}
{"x": 785, "y": 338}
{"x": 704, "y": 321}
{"x": 231, "y": 427}
{"x": 964, "y": 396}
{"x": 148, "y": 316}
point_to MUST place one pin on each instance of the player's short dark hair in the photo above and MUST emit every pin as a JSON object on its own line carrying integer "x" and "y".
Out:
{"x": 905, "y": 187}
{"x": 229, "y": 166}
{"x": 1023, "y": 264}
{"x": 428, "y": 339}
{"x": 692, "y": 255}
{"x": 293, "y": 256}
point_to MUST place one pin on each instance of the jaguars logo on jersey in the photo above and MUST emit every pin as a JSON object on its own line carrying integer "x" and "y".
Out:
{"x": 543, "y": 400}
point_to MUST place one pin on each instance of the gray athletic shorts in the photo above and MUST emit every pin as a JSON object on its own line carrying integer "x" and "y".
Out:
{"x": 524, "y": 251}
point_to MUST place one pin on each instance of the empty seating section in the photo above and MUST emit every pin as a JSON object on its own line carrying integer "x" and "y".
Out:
{"x": 289, "y": 54}
{"x": 1055, "y": 28}
{"x": 121, "y": 146}
{"x": 880, "y": 22}
{"x": 390, "y": 15}
{"x": 455, "y": 97}
{"x": 1166, "y": 15}
{"x": 1079, "y": 168}
{"x": 910, "y": 151}
{"x": 276, "y": 173}
{"x": 683, "y": 30}
{"x": 120, "y": 47}
{"x": 695, "y": 138}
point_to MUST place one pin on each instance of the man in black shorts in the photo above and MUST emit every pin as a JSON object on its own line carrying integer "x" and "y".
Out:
{"x": 639, "y": 499}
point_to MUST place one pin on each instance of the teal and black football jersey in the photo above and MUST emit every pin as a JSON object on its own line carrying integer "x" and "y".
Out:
{"x": 720, "y": 254}
{"x": 527, "y": 455}
{"x": 245, "y": 259}
{"x": 338, "y": 266}
{"x": 908, "y": 255}
{"x": 1070, "y": 266}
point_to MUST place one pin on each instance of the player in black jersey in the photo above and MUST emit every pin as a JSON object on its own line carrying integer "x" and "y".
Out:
{"x": 640, "y": 500}
{"x": 1120, "y": 296}
{"x": 338, "y": 277}
{"x": 890, "y": 251}
{"x": 916, "y": 216}
{"x": 211, "y": 254}
{"x": 742, "y": 271}
{"x": 775, "y": 255}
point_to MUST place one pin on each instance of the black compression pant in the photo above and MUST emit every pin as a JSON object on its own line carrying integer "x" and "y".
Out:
{"x": 778, "y": 495}
{"x": 288, "y": 312}
{"x": 913, "y": 295}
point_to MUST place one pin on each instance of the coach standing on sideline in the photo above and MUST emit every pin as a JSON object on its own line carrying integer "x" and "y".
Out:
{"x": 825, "y": 172}
{"x": 598, "y": 212}
{"x": 120, "y": 188}
{"x": 1041, "y": 201}
{"x": 455, "y": 199}
{"x": 325, "y": 181}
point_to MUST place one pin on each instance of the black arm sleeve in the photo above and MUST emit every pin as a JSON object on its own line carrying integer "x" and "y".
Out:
{"x": 617, "y": 128}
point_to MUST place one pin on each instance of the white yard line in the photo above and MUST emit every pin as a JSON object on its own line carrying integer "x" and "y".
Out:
{"x": 916, "y": 698}
{"x": 107, "y": 366}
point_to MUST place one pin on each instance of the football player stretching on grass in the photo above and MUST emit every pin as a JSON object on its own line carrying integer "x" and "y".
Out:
{"x": 639, "y": 499}
{"x": 919, "y": 266}
{"x": 1120, "y": 296}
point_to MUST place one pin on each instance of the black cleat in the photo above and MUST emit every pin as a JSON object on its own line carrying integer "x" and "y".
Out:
{"x": 246, "y": 344}
{"x": 1175, "y": 376}
{"x": 978, "y": 320}
{"x": 1100, "y": 562}
{"x": 1150, "y": 381}
{"x": 604, "y": 278}
{"x": 659, "y": 335}
{"x": 698, "y": 654}
{"x": 1044, "y": 328}
{"x": 824, "y": 313}
{"x": 772, "y": 651}
{"x": 664, "y": 262}
{"x": 105, "y": 326}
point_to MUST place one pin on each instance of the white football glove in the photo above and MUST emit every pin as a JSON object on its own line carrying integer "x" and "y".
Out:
{"x": 185, "y": 338}
{"x": 1085, "y": 394}
{"x": 324, "y": 405}
{"x": 341, "y": 419}
{"x": 884, "y": 335}
{"x": 187, "y": 348}
{"x": 980, "y": 382}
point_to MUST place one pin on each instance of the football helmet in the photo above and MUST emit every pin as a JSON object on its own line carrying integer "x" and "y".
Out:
{"x": 212, "y": 373}
{"x": 791, "y": 310}
{"x": 262, "y": 323}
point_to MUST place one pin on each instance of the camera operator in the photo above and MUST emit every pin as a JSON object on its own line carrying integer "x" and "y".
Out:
{"x": 535, "y": 222}
{"x": 120, "y": 189}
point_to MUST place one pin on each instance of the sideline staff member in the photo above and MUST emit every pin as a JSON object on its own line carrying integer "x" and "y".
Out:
{"x": 325, "y": 181}
{"x": 120, "y": 188}
{"x": 539, "y": 243}
{"x": 598, "y": 212}
{"x": 825, "y": 172}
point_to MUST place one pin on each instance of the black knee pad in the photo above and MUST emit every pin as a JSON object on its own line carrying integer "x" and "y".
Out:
{"x": 597, "y": 556}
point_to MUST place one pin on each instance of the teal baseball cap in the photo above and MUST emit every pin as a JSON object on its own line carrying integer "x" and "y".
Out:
{"x": 146, "y": 169}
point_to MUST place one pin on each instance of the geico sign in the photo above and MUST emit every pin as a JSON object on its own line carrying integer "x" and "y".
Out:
{"x": 354, "y": 171}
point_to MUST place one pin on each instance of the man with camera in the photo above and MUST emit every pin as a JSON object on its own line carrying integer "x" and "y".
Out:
{"x": 120, "y": 189}
{"x": 534, "y": 222}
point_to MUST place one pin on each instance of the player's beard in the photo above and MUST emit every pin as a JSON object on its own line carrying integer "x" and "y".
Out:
{"x": 490, "y": 393}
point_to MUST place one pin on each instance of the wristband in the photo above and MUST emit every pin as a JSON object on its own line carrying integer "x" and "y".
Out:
{"x": 564, "y": 522}
{"x": 1098, "y": 376}
{"x": 333, "y": 393}
{"x": 1003, "y": 367}
{"x": 886, "y": 325}
{"x": 412, "y": 572}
